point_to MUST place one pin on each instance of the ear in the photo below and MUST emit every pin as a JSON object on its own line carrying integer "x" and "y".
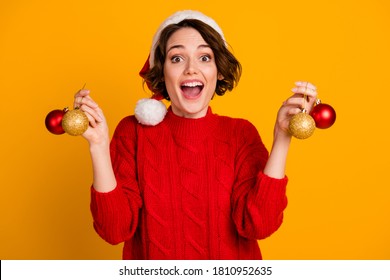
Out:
{"x": 220, "y": 77}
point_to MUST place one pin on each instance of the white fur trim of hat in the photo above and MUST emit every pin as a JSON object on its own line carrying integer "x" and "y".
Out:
{"x": 151, "y": 111}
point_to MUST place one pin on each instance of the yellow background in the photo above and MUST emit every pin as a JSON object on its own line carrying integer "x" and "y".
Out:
{"x": 339, "y": 189}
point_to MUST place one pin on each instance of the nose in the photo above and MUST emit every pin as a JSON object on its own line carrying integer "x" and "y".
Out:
{"x": 191, "y": 67}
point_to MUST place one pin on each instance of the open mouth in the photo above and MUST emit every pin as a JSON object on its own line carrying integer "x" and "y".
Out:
{"x": 191, "y": 90}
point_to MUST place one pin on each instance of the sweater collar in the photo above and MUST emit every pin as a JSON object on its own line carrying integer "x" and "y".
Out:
{"x": 182, "y": 127}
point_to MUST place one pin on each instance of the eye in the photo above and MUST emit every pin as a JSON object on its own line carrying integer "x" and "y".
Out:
{"x": 176, "y": 59}
{"x": 205, "y": 58}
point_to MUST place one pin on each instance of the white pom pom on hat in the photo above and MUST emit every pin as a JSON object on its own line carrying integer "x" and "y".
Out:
{"x": 151, "y": 111}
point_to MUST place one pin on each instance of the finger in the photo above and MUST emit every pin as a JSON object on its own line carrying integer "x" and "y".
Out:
{"x": 79, "y": 96}
{"x": 78, "y": 101}
{"x": 293, "y": 111}
{"x": 298, "y": 101}
{"x": 305, "y": 91}
{"x": 82, "y": 92}
{"x": 308, "y": 97}
{"x": 305, "y": 84}
{"x": 295, "y": 100}
{"x": 89, "y": 102}
{"x": 306, "y": 88}
{"x": 83, "y": 97}
{"x": 91, "y": 119}
{"x": 93, "y": 122}
{"x": 311, "y": 103}
{"x": 92, "y": 112}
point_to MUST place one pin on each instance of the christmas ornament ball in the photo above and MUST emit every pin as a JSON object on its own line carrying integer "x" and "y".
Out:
{"x": 302, "y": 125}
{"x": 53, "y": 121}
{"x": 75, "y": 122}
{"x": 324, "y": 115}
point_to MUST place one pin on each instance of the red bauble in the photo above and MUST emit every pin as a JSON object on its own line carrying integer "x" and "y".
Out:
{"x": 53, "y": 121}
{"x": 324, "y": 115}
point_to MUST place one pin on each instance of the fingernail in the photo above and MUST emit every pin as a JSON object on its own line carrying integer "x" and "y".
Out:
{"x": 294, "y": 89}
{"x": 299, "y": 83}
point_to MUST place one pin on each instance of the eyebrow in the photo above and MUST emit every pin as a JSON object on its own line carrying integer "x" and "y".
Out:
{"x": 182, "y": 47}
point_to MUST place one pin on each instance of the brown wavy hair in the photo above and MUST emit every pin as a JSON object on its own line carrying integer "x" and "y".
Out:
{"x": 227, "y": 65}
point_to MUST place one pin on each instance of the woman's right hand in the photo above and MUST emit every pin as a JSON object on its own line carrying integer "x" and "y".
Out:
{"x": 97, "y": 132}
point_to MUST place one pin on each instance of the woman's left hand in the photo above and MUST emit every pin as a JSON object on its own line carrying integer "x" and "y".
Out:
{"x": 304, "y": 97}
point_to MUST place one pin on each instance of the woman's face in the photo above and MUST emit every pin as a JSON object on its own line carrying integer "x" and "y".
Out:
{"x": 190, "y": 73}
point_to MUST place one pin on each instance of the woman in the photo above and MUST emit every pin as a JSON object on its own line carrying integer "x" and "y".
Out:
{"x": 194, "y": 185}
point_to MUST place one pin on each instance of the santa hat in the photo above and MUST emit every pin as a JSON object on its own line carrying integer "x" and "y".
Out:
{"x": 151, "y": 111}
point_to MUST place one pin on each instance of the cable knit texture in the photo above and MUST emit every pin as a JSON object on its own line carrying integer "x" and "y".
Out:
{"x": 189, "y": 189}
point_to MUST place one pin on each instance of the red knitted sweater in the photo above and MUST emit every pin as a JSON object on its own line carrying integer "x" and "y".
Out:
{"x": 189, "y": 189}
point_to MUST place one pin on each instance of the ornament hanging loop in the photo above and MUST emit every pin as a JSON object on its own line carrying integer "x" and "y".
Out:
{"x": 305, "y": 101}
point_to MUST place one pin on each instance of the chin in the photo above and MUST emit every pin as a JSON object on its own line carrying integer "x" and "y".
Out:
{"x": 193, "y": 110}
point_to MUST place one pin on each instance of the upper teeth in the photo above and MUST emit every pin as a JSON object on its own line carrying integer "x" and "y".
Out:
{"x": 192, "y": 84}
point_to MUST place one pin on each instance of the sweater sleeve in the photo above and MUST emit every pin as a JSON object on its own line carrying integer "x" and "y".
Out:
{"x": 258, "y": 200}
{"x": 116, "y": 213}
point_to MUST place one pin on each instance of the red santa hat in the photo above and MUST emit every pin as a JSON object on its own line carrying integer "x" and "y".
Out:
{"x": 151, "y": 111}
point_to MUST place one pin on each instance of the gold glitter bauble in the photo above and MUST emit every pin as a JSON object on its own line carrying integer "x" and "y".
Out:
{"x": 302, "y": 125}
{"x": 75, "y": 122}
